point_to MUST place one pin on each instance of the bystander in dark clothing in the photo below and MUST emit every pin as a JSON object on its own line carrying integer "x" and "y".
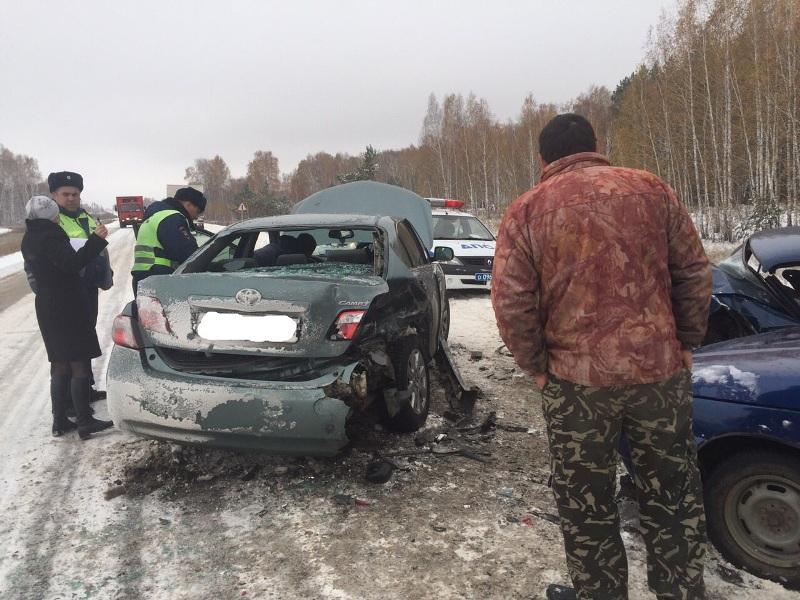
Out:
{"x": 66, "y": 188}
{"x": 63, "y": 312}
{"x": 601, "y": 288}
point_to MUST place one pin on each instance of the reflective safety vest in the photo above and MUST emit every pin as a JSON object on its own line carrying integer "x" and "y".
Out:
{"x": 148, "y": 250}
{"x": 74, "y": 227}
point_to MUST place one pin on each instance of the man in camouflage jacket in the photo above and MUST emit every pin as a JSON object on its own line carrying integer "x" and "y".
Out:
{"x": 601, "y": 288}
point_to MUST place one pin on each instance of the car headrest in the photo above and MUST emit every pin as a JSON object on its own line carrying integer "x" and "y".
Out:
{"x": 359, "y": 256}
{"x": 291, "y": 259}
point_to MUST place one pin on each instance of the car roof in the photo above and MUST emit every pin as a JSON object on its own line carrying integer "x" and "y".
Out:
{"x": 776, "y": 247}
{"x": 439, "y": 212}
{"x": 372, "y": 198}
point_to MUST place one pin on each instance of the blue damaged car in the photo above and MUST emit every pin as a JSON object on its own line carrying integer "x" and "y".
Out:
{"x": 747, "y": 427}
{"x": 757, "y": 288}
{"x": 276, "y": 329}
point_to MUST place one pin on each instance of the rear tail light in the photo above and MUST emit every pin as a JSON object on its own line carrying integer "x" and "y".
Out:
{"x": 151, "y": 315}
{"x": 123, "y": 333}
{"x": 347, "y": 324}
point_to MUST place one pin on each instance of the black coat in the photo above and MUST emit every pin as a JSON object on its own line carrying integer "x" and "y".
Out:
{"x": 62, "y": 306}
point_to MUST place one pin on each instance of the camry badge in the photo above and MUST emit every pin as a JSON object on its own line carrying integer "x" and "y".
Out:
{"x": 248, "y": 296}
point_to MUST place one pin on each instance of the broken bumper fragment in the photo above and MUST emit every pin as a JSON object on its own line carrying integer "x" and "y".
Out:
{"x": 149, "y": 398}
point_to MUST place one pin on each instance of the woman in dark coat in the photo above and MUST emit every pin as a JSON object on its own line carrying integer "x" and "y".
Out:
{"x": 62, "y": 310}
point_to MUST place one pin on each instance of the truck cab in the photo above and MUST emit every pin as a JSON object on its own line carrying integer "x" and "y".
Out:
{"x": 130, "y": 211}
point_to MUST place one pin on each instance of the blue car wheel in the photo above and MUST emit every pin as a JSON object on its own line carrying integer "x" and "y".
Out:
{"x": 753, "y": 510}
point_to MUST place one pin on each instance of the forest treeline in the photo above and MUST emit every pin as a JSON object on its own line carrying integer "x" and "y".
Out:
{"x": 713, "y": 108}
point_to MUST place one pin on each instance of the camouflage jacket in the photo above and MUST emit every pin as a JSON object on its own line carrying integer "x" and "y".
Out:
{"x": 599, "y": 275}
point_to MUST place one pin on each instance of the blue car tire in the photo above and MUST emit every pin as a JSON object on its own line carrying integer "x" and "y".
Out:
{"x": 753, "y": 511}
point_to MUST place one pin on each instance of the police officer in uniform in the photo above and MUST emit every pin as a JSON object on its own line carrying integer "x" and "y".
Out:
{"x": 65, "y": 189}
{"x": 165, "y": 237}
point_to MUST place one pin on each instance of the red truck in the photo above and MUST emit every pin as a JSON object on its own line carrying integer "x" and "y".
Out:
{"x": 130, "y": 210}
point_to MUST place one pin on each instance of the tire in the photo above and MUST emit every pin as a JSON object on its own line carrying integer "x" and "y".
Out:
{"x": 444, "y": 329}
{"x": 753, "y": 510}
{"x": 411, "y": 374}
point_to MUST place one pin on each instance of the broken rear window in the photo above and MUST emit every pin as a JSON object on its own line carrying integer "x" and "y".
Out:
{"x": 330, "y": 253}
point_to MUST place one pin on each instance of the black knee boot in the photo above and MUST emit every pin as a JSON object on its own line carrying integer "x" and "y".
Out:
{"x": 81, "y": 396}
{"x": 59, "y": 396}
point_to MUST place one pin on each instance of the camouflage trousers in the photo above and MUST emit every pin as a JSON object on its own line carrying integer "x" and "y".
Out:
{"x": 584, "y": 426}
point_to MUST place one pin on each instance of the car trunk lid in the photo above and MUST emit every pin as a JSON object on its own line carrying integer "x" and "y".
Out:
{"x": 259, "y": 314}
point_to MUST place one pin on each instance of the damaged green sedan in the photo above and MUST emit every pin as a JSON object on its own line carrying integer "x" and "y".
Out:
{"x": 277, "y": 329}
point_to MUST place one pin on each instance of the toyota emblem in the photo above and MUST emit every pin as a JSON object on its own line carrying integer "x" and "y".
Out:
{"x": 248, "y": 296}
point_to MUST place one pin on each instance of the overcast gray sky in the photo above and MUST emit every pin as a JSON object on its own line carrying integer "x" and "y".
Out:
{"x": 130, "y": 93}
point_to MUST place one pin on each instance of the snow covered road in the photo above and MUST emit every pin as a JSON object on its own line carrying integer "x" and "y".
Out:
{"x": 191, "y": 524}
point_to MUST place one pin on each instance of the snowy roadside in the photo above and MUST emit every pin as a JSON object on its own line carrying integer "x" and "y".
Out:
{"x": 4, "y": 230}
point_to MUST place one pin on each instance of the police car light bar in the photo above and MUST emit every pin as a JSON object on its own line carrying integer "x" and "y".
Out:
{"x": 445, "y": 203}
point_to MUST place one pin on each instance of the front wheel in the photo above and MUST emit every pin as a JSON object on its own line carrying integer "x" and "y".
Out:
{"x": 412, "y": 376}
{"x": 753, "y": 509}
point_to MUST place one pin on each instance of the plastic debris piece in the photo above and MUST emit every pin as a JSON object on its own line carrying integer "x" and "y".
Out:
{"x": 250, "y": 473}
{"x": 508, "y": 492}
{"x": 113, "y": 492}
{"x": 379, "y": 471}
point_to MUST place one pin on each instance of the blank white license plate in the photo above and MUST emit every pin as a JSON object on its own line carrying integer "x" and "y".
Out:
{"x": 247, "y": 328}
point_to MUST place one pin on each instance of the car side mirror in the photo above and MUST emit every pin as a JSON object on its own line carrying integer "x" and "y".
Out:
{"x": 443, "y": 254}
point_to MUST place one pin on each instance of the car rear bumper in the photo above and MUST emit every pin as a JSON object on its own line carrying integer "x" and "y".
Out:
{"x": 293, "y": 418}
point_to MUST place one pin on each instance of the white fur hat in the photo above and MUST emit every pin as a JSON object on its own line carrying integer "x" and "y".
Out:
{"x": 41, "y": 207}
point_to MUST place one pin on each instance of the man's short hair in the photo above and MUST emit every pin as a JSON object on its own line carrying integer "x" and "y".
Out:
{"x": 564, "y": 135}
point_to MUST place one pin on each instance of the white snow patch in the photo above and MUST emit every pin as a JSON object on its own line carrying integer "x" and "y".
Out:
{"x": 4, "y": 230}
{"x": 725, "y": 374}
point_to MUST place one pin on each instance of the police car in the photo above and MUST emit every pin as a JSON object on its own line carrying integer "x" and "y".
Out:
{"x": 471, "y": 241}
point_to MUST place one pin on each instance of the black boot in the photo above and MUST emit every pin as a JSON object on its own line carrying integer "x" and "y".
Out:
{"x": 98, "y": 395}
{"x": 560, "y": 592}
{"x": 71, "y": 406}
{"x": 59, "y": 395}
{"x": 81, "y": 395}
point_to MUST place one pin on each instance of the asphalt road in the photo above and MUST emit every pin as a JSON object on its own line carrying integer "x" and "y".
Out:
{"x": 125, "y": 518}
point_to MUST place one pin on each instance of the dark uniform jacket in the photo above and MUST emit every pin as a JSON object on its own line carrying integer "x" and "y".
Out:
{"x": 174, "y": 234}
{"x": 62, "y": 306}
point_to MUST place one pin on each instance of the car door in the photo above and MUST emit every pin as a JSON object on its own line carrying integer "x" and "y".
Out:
{"x": 413, "y": 253}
